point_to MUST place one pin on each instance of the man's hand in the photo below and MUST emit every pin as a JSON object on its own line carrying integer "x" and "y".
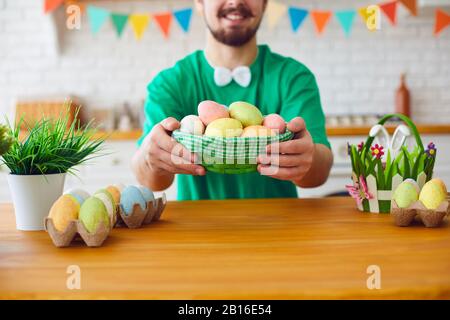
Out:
{"x": 163, "y": 153}
{"x": 289, "y": 160}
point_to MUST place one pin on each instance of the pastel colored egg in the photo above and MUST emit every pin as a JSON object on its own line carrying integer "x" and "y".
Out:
{"x": 208, "y": 111}
{"x": 119, "y": 186}
{"x": 108, "y": 202}
{"x": 225, "y": 128}
{"x": 92, "y": 213}
{"x": 79, "y": 194}
{"x": 147, "y": 193}
{"x": 129, "y": 197}
{"x": 406, "y": 193}
{"x": 257, "y": 131}
{"x": 106, "y": 192}
{"x": 115, "y": 193}
{"x": 193, "y": 125}
{"x": 433, "y": 193}
{"x": 246, "y": 113}
{"x": 64, "y": 210}
{"x": 275, "y": 122}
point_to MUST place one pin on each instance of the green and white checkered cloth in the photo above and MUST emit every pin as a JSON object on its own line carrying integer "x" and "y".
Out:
{"x": 228, "y": 155}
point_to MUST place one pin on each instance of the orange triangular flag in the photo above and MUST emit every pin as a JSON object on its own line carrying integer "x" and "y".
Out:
{"x": 411, "y": 5}
{"x": 390, "y": 11}
{"x": 321, "y": 19}
{"x": 50, "y": 5}
{"x": 164, "y": 21}
{"x": 442, "y": 21}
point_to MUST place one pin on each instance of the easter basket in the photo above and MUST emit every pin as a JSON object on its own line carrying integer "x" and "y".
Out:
{"x": 228, "y": 155}
{"x": 376, "y": 173}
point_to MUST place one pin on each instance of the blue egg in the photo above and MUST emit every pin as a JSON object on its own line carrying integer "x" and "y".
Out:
{"x": 131, "y": 195}
{"x": 147, "y": 193}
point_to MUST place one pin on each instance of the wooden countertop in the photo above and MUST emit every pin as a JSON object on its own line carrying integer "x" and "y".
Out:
{"x": 331, "y": 131}
{"x": 296, "y": 248}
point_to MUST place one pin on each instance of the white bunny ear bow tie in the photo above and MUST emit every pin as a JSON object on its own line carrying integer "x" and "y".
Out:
{"x": 241, "y": 75}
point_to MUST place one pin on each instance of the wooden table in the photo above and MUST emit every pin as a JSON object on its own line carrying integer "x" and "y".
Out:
{"x": 236, "y": 249}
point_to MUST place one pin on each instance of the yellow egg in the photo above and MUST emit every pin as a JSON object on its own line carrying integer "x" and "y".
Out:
{"x": 257, "y": 131}
{"x": 115, "y": 193}
{"x": 433, "y": 193}
{"x": 225, "y": 127}
{"x": 64, "y": 210}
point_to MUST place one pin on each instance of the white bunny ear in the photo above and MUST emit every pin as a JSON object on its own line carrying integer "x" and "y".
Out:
{"x": 380, "y": 132}
{"x": 399, "y": 137}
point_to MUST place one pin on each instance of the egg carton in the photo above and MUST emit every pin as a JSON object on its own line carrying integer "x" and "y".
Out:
{"x": 139, "y": 217}
{"x": 74, "y": 229}
{"x": 403, "y": 217}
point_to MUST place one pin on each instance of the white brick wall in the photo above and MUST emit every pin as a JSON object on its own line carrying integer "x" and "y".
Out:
{"x": 357, "y": 74}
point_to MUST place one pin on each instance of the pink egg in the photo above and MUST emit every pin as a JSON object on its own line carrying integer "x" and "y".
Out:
{"x": 208, "y": 111}
{"x": 275, "y": 122}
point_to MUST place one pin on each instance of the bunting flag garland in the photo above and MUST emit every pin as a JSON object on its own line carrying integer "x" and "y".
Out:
{"x": 297, "y": 16}
{"x": 390, "y": 11}
{"x": 321, "y": 19}
{"x": 411, "y": 5}
{"x": 138, "y": 23}
{"x": 97, "y": 17}
{"x": 164, "y": 20}
{"x": 51, "y": 5}
{"x": 442, "y": 21}
{"x": 275, "y": 11}
{"x": 119, "y": 21}
{"x": 183, "y": 18}
{"x": 346, "y": 19}
{"x": 363, "y": 13}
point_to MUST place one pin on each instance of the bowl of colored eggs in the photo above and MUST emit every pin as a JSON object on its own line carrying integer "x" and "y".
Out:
{"x": 428, "y": 204}
{"x": 229, "y": 139}
{"x": 79, "y": 215}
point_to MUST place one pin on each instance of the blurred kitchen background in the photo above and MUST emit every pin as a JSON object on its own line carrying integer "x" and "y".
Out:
{"x": 42, "y": 63}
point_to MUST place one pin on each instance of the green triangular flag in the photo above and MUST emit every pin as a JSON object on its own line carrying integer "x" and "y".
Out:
{"x": 119, "y": 21}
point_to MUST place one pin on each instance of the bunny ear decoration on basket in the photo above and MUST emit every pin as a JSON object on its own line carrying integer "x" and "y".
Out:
{"x": 377, "y": 169}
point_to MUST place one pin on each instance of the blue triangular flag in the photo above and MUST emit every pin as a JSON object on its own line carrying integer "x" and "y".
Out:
{"x": 346, "y": 18}
{"x": 97, "y": 17}
{"x": 183, "y": 18}
{"x": 297, "y": 16}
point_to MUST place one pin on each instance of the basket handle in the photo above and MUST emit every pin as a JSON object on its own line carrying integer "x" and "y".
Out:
{"x": 406, "y": 120}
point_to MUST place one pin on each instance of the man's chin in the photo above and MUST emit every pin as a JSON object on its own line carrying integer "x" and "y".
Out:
{"x": 234, "y": 38}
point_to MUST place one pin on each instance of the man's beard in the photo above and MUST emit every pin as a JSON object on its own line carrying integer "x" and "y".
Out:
{"x": 236, "y": 37}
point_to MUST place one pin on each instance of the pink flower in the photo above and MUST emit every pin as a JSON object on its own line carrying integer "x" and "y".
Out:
{"x": 377, "y": 151}
{"x": 360, "y": 146}
{"x": 359, "y": 190}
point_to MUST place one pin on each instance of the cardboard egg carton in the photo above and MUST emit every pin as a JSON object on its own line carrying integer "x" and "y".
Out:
{"x": 403, "y": 217}
{"x": 139, "y": 217}
{"x": 74, "y": 229}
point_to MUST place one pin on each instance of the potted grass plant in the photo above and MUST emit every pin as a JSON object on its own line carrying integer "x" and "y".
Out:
{"x": 39, "y": 159}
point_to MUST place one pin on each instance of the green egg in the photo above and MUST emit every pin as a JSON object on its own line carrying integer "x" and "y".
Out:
{"x": 92, "y": 213}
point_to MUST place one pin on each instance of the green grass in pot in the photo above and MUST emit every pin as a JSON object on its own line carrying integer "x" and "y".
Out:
{"x": 50, "y": 146}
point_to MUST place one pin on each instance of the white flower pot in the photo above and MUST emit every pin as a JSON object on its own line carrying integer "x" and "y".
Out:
{"x": 33, "y": 196}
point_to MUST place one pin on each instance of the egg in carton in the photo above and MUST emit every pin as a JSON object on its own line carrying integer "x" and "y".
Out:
{"x": 67, "y": 218}
{"x": 430, "y": 204}
{"x": 138, "y": 207}
{"x": 431, "y": 218}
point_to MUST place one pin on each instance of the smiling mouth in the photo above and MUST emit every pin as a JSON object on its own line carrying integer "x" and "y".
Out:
{"x": 235, "y": 16}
